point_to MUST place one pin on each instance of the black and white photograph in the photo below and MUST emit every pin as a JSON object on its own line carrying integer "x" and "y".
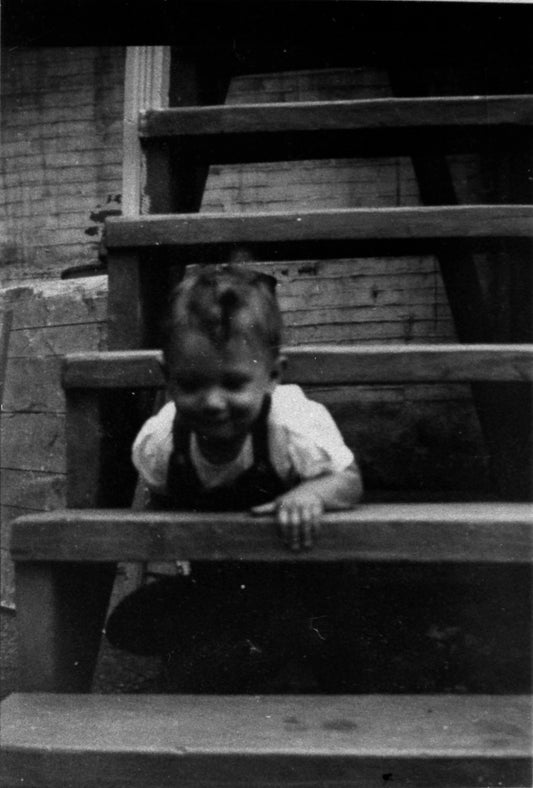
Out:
{"x": 266, "y": 367}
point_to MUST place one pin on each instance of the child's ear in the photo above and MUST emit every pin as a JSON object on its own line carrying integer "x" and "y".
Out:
{"x": 164, "y": 368}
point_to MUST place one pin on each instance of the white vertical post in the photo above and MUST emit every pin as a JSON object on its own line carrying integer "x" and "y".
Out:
{"x": 146, "y": 87}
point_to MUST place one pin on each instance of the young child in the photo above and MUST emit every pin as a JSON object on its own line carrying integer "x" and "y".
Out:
{"x": 234, "y": 438}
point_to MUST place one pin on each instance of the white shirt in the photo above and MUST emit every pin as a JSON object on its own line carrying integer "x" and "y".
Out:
{"x": 304, "y": 442}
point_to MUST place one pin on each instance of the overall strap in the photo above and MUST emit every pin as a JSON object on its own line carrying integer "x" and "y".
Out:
{"x": 259, "y": 484}
{"x": 260, "y": 442}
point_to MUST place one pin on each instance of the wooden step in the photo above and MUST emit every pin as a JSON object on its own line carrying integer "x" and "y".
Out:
{"x": 462, "y": 532}
{"x": 307, "y": 116}
{"x": 161, "y": 741}
{"x": 341, "y": 225}
{"x": 325, "y": 129}
{"x": 325, "y": 365}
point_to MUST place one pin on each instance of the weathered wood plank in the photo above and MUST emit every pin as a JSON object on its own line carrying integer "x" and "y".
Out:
{"x": 61, "y": 610}
{"x": 54, "y": 303}
{"x": 343, "y": 224}
{"x": 406, "y": 331}
{"x": 7, "y": 575}
{"x": 497, "y": 407}
{"x": 163, "y": 741}
{"x": 33, "y": 385}
{"x": 375, "y": 532}
{"x": 411, "y": 364}
{"x": 146, "y": 86}
{"x": 33, "y": 442}
{"x": 169, "y": 183}
{"x": 320, "y": 116}
{"x": 84, "y": 432}
{"x": 125, "y": 323}
{"x": 7, "y": 580}
{"x": 5, "y": 330}
{"x": 324, "y": 364}
{"x": 33, "y": 489}
{"x": 56, "y": 340}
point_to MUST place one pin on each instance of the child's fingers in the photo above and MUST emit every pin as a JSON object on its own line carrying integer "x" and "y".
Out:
{"x": 309, "y": 534}
{"x": 265, "y": 508}
{"x": 289, "y": 525}
{"x": 311, "y": 525}
{"x": 299, "y": 525}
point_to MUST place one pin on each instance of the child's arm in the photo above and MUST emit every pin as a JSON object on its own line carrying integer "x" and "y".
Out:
{"x": 299, "y": 511}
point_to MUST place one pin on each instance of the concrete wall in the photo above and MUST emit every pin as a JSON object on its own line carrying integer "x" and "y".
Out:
{"x": 61, "y": 174}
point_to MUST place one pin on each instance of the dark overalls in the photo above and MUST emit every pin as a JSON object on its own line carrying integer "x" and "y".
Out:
{"x": 227, "y": 625}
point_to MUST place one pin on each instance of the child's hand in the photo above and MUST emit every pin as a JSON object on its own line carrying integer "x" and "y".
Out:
{"x": 298, "y": 514}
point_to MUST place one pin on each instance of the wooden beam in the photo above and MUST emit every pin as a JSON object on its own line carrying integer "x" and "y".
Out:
{"x": 465, "y": 532}
{"x": 85, "y": 440}
{"x": 61, "y": 610}
{"x": 99, "y": 471}
{"x": 320, "y": 116}
{"x": 155, "y": 180}
{"x": 126, "y": 314}
{"x": 311, "y": 741}
{"x": 409, "y": 364}
{"x": 325, "y": 364}
{"x": 196, "y": 79}
{"x": 146, "y": 87}
{"x": 503, "y": 411}
{"x": 187, "y": 230}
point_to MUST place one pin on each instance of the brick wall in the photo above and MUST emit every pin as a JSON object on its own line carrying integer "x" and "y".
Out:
{"x": 343, "y": 301}
{"x": 61, "y": 172}
{"x": 60, "y": 160}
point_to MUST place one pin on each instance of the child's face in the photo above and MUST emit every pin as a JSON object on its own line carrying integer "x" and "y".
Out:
{"x": 219, "y": 391}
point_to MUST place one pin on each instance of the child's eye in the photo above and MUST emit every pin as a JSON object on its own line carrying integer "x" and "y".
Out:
{"x": 235, "y": 382}
{"x": 187, "y": 385}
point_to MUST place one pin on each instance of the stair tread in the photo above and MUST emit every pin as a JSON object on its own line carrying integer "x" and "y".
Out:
{"x": 313, "y": 116}
{"x": 358, "y": 724}
{"x": 326, "y": 364}
{"x": 341, "y": 224}
{"x": 461, "y": 740}
{"x": 418, "y": 532}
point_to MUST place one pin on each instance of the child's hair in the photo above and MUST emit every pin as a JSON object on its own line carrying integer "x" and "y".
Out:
{"x": 221, "y": 301}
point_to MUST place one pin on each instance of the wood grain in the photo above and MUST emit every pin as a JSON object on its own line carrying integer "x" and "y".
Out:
{"x": 463, "y": 532}
{"x": 61, "y": 610}
{"x": 343, "y": 224}
{"x": 33, "y": 442}
{"x": 327, "y": 364}
{"x": 125, "y": 320}
{"x": 388, "y": 113}
{"x": 33, "y": 385}
{"x": 163, "y": 741}
{"x": 39, "y": 490}
{"x": 84, "y": 440}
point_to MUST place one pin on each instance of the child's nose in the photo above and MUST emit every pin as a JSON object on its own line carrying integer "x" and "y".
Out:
{"x": 213, "y": 399}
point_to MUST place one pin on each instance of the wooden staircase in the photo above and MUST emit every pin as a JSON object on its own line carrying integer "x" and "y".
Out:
{"x": 53, "y": 734}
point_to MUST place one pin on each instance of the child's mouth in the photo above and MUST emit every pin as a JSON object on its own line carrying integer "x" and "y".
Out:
{"x": 214, "y": 422}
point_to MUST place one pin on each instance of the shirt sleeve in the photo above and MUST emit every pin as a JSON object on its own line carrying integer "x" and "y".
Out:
{"x": 152, "y": 448}
{"x": 305, "y": 442}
